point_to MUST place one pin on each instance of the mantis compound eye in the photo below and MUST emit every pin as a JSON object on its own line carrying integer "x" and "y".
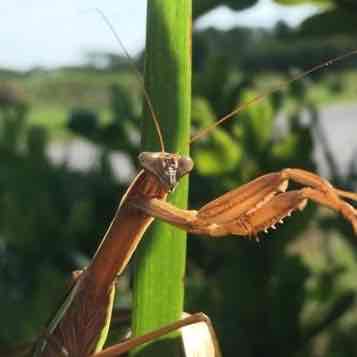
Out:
{"x": 168, "y": 168}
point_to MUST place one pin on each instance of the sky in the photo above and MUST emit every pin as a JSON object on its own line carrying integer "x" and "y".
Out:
{"x": 55, "y": 33}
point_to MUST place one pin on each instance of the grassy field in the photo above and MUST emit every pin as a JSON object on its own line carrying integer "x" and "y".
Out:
{"x": 52, "y": 95}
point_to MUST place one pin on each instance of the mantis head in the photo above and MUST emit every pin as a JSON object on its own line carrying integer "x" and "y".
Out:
{"x": 168, "y": 168}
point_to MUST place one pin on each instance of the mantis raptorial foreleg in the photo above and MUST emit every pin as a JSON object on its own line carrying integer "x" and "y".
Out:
{"x": 255, "y": 206}
{"x": 210, "y": 348}
{"x": 131, "y": 343}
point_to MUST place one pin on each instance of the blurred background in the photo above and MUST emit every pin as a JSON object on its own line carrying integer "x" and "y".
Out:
{"x": 70, "y": 109}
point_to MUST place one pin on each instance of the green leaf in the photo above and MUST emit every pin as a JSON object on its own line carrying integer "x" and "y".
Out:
{"x": 334, "y": 22}
{"x": 218, "y": 153}
{"x": 160, "y": 264}
{"x": 200, "y": 7}
{"x": 257, "y": 122}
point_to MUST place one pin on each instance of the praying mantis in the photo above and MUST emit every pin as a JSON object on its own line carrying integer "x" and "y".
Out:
{"x": 77, "y": 328}
{"x": 245, "y": 211}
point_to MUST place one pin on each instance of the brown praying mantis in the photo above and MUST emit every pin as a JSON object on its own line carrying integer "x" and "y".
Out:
{"x": 245, "y": 211}
{"x": 80, "y": 326}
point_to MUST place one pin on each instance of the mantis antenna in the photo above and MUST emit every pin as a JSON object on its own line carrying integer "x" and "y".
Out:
{"x": 138, "y": 76}
{"x": 265, "y": 94}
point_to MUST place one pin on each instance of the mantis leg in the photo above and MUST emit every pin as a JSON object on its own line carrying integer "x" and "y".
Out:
{"x": 139, "y": 340}
{"x": 255, "y": 206}
{"x": 54, "y": 344}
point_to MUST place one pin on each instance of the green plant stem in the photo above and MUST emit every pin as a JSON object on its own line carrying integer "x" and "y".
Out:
{"x": 160, "y": 263}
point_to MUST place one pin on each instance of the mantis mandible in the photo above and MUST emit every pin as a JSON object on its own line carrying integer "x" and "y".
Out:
{"x": 81, "y": 324}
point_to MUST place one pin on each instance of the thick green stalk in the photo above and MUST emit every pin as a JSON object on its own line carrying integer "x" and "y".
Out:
{"x": 160, "y": 263}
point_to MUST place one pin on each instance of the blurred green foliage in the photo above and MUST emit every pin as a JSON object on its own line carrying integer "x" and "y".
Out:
{"x": 292, "y": 294}
{"x": 200, "y": 7}
{"x": 47, "y": 220}
{"x": 257, "y": 297}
